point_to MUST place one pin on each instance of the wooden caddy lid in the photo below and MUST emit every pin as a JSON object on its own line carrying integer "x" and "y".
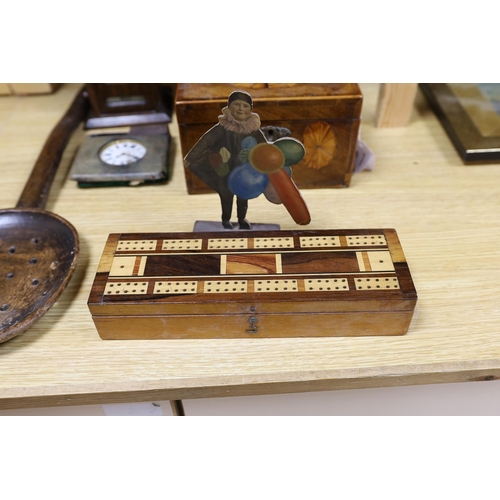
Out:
{"x": 202, "y": 102}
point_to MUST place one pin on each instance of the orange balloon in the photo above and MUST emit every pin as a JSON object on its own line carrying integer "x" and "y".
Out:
{"x": 266, "y": 158}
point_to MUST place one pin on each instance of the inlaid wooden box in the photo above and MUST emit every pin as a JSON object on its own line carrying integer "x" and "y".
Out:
{"x": 324, "y": 117}
{"x": 252, "y": 284}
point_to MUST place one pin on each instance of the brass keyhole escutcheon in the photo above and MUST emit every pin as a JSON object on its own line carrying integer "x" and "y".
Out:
{"x": 252, "y": 320}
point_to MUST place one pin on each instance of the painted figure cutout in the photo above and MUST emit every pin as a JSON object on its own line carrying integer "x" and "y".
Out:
{"x": 235, "y": 160}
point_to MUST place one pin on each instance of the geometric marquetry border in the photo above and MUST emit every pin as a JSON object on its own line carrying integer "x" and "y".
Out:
{"x": 182, "y": 287}
{"x": 195, "y": 244}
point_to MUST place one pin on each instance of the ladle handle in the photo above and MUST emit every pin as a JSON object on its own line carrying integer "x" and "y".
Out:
{"x": 36, "y": 190}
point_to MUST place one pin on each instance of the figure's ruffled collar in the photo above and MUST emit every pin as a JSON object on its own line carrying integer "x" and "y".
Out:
{"x": 251, "y": 124}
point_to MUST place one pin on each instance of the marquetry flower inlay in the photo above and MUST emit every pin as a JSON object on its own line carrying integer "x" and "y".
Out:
{"x": 320, "y": 143}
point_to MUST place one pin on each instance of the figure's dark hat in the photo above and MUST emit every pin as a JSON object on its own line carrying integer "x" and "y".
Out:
{"x": 241, "y": 95}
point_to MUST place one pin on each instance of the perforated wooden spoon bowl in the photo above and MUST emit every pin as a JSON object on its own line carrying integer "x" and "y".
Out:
{"x": 38, "y": 249}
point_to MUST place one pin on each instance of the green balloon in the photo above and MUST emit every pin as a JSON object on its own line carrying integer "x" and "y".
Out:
{"x": 292, "y": 149}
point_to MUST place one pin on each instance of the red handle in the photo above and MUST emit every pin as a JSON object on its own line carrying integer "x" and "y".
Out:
{"x": 290, "y": 196}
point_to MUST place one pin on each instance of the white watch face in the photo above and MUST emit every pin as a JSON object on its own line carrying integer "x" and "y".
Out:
{"x": 122, "y": 152}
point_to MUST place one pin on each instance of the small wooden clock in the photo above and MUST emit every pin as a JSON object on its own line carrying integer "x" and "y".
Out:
{"x": 122, "y": 104}
{"x": 127, "y": 138}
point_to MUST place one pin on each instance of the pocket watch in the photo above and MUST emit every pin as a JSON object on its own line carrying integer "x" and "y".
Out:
{"x": 127, "y": 137}
{"x": 122, "y": 152}
{"x": 121, "y": 159}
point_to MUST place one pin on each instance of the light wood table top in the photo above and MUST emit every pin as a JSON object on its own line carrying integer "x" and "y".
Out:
{"x": 446, "y": 215}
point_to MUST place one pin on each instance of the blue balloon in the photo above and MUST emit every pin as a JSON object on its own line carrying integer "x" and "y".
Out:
{"x": 245, "y": 182}
{"x": 248, "y": 142}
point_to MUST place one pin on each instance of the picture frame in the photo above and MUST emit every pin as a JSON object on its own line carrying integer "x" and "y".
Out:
{"x": 470, "y": 115}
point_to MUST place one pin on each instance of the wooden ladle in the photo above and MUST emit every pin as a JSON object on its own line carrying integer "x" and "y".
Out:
{"x": 38, "y": 249}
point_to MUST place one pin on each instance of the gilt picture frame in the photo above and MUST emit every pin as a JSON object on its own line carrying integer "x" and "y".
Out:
{"x": 470, "y": 115}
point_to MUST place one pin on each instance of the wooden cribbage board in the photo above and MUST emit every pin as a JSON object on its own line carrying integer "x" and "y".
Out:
{"x": 252, "y": 284}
